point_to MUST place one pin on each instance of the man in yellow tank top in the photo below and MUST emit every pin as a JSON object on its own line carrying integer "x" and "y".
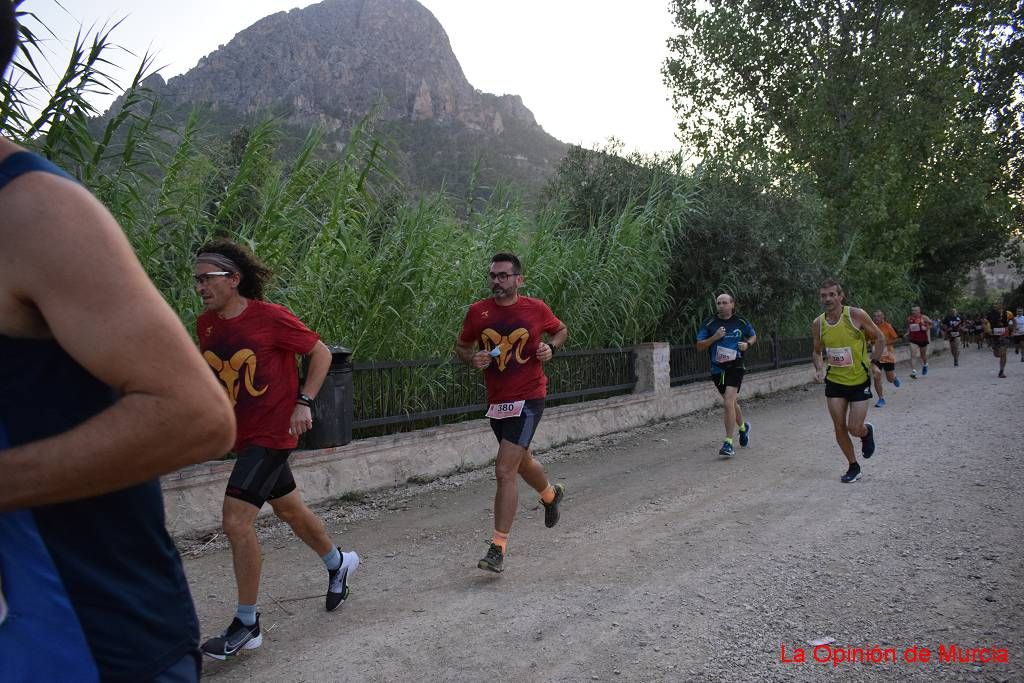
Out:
{"x": 840, "y": 343}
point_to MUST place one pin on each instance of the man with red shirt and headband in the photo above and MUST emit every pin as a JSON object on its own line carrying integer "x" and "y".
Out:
{"x": 507, "y": 328}
{"x": 251, "y": 346}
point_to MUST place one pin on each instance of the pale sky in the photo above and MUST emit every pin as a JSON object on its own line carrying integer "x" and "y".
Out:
{"x": 587, "y": 69}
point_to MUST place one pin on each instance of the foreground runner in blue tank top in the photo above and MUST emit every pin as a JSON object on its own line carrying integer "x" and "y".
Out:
{"x": 92, "y": 584}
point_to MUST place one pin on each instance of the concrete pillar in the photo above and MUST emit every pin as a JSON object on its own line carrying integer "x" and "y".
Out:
{"x": 653, "y": 371}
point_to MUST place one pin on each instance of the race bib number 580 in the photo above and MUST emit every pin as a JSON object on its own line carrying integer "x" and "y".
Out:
{"x": 500, "y": 411}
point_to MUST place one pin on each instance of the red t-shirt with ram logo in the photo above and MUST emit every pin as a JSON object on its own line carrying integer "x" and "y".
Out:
{"x": 515, "y": 374}
{"x": 253, "y": 356}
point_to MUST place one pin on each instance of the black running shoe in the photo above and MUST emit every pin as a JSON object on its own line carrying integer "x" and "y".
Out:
{"x": 337, "y": 581}
{"x": 237, "y": 637}
{"x": 867, "y": 443}
{"x": 852, "y": 474}
{"x": 493, "y": 560}
{"x": 551, "y": 509}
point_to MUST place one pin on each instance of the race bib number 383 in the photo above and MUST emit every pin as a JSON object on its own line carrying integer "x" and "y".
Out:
{"x": 840, "y": 357}
{"x": 500, "y": 411}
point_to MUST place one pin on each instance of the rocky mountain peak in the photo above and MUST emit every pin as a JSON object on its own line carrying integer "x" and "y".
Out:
{"x": 334, "y": 61}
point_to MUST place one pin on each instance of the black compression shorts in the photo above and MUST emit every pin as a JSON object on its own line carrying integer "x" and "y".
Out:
{"x": 260, "y": 474}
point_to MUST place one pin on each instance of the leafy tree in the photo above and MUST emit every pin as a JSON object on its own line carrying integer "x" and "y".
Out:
{"x": 753, "y": 236}
{"x": 891, "y": 109}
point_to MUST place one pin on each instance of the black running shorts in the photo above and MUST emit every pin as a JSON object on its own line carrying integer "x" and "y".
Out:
{"x": 885, "y": 367}
{"x": 921, "y": 344}
{"x": 520, "y": 430}
{"x": 728, "y": 377}
{"x": 260, "y": 474}
{"x": 859, "y": 392}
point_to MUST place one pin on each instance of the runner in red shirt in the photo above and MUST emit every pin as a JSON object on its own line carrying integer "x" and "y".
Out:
{"x": 251, "y": 346}
{"x": 507, "y": 329}
{"x": 918, "y": 332}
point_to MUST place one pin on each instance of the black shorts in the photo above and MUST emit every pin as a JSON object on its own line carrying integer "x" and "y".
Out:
{"x": 921, "y": 344}
{"x": 859, "y": 392}
{"x": 728, "y": 377}
{"x": 260, "y": 474}
{"x": 1000, "y": 342}
{"x": 885, "y": 367}
{"x": 520, "y": 430}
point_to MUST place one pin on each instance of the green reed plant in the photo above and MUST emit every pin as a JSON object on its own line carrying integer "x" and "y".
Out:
{"x": 356, "y": 255}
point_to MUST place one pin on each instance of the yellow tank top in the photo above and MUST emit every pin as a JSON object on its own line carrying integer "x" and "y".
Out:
{"x": 846, "y": 351}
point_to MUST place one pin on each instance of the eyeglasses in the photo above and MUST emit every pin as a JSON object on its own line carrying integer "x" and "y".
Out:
{"x": 205, "y": 277}
{"x": 501, "y": 277}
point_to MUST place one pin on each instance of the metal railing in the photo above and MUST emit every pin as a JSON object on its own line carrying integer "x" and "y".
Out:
{"x": 404, "y": 395}
{"x": 688, "y": 365}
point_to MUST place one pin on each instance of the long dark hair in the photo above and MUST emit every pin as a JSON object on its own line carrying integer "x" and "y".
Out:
{"x": 254, "y": 275}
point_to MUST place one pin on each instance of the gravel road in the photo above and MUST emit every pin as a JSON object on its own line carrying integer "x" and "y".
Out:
{"x": 673, "y": 564}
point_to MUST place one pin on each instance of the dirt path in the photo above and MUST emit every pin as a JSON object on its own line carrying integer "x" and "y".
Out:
{"x": 672, "y": 564}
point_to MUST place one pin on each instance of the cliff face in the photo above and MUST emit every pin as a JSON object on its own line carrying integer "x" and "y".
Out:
{"x": 332, "y": 63}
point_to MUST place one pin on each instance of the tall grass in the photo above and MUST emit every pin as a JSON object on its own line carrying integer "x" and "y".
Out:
{"x": 355, "y": 255}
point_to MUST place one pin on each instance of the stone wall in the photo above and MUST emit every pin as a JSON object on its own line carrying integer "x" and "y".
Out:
{"x": 193, "y": 496}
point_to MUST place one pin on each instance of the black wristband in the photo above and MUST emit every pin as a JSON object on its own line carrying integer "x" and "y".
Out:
{"x": 304, "y": 400}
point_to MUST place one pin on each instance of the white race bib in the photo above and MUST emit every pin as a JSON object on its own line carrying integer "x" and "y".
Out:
{"x": 725, "y": 355}
{"x": 914, "y": 327}
{"x": 840, "y": 358}
{"x": 954, "y": 335}
{"x": 500, "y": 411}
{"x": 998, "y": 331}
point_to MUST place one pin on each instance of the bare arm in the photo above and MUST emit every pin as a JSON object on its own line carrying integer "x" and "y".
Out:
{"x": 819, "y": 364}
{"x": 319, "y": 363}
{"x": 66, "y": 260}
{"x": 862, "y": 320}
{"x": 474, "y": 359}
{"x": 704, "y": 344}
{"x": 557, "y": 340}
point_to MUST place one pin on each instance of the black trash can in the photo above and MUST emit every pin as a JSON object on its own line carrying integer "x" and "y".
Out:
{"x": 332, "y": 407}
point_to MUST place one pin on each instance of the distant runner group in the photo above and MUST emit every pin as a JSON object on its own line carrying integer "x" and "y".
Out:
{"x": 844, "y": 338}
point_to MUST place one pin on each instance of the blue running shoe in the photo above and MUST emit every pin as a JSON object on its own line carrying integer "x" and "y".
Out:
{"x": 726, "y": 450}
{"x": 880, "y": 403}
{"x": 745, "y": 435}
{"x": 896, "y": 382}
{"x": 924, "y": 370}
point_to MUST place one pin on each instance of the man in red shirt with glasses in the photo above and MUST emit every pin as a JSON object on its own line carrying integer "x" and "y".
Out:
{"x": 507, "y": 328}
{"x": 251, "y": 345}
